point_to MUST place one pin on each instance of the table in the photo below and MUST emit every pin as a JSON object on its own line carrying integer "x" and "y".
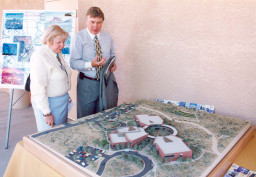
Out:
{"x": 234, "y": 155}
{"x": 26, "y": 162}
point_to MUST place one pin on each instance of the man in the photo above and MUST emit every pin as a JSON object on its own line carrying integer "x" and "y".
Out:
{"x": 88, "y": 61}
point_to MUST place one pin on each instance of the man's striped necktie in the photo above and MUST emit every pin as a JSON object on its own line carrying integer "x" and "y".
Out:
{"x": 99, "y": 56}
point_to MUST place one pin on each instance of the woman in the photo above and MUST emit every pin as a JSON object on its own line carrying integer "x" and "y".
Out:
{"x": 50, "y": 80}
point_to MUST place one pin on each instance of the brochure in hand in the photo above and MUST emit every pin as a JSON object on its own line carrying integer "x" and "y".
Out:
{"x": 110, "y": 65}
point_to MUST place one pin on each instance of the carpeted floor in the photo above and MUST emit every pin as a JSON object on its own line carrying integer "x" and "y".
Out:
{"x": 22, "y": 124}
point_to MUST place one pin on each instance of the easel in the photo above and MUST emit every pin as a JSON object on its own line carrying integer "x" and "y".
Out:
{"x": 10, "y": 115}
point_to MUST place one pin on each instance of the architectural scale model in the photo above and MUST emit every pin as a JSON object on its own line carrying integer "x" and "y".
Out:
{"x": 146, "y": 138}
{"x": 170, "y": 147}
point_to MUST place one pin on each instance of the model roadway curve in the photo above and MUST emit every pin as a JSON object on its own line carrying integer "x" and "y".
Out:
{"x": 148, "y": 164}
{"x": 214, "y": 139}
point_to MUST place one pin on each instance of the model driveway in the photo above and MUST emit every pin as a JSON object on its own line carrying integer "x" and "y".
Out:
{"x": 148, "y": 164}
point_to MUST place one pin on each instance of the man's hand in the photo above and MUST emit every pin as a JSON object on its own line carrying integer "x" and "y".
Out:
{"x": 49, "y": 120}
{"x": 113, "y": 68}
{"x": 96, "y": 63}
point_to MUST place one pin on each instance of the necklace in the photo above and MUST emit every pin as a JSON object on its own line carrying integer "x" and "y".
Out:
{"x": 62, "y": 67}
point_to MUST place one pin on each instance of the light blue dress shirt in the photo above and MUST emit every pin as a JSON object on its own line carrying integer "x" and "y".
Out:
{"x": 83, "y": 50}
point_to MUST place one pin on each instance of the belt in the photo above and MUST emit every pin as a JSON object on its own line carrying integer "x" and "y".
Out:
{"x": 82, "y": 76}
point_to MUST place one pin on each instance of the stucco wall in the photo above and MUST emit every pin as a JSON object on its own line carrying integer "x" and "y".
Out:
{"x": 184, "y": 50}
{"x": 194, "y": 51}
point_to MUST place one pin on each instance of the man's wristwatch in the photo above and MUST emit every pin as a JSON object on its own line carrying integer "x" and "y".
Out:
{"x": 47, "y": 115}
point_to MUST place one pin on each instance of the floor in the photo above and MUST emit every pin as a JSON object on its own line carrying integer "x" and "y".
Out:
{"x": 22, "y": 124}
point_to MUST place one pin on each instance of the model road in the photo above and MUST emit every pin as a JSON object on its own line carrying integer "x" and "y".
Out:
{"x": 94, "y": 119}
{"x": 148, "y": 164}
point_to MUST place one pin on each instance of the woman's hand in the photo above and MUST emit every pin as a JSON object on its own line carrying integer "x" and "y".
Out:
{"x": 49, "y": 119}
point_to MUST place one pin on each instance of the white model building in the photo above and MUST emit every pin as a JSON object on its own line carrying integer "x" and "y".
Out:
{"x": 145, "y": 120}
{"x": 172, "y": 147}
{"x": 123, "y": 135}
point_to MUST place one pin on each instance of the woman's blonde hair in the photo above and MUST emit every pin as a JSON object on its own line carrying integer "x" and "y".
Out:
{"x": 52, "y": 32}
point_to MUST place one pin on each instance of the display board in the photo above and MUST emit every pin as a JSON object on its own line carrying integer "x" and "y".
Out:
{"x": 22, "y": 32}
{"x": 131, "y": 140}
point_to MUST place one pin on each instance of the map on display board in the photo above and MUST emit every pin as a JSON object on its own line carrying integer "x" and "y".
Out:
{"x": 22, "y": 32}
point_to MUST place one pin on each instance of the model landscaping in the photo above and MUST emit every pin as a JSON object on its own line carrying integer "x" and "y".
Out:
{"x": 145, "y": 138}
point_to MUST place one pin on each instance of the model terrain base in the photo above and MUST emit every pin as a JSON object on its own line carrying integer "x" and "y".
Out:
{"x": 86, "y": 146}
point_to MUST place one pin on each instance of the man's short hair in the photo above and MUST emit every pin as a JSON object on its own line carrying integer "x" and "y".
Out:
{"x": 95, "y": 12}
